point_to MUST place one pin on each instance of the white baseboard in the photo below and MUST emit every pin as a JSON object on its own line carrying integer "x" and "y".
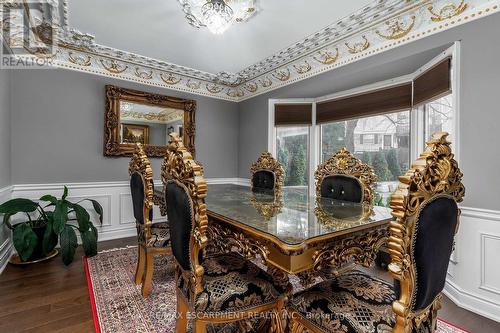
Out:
{"x": 473, "y": 281}
{"x": 114, "y": 198}
{"x": 474, "y": 275}
{"x": 5, "y": 253}
{"x": 472, "y": 302}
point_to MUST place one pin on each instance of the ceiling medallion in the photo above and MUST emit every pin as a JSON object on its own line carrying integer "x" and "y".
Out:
{"x": 217, "y": 15}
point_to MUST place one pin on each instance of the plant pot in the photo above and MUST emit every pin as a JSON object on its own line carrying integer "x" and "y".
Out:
{"x": 16, "y": 260}
{"x": 38, "y": 254}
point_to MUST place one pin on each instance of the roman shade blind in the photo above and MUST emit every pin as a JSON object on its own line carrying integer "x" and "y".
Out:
{"x": 292, "y": 114}
{"x": 433, "y": 83}
{"x": 365, "y": 104}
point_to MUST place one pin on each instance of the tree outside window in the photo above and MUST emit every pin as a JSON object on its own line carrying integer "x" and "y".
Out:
{"x": 371, "y": 140}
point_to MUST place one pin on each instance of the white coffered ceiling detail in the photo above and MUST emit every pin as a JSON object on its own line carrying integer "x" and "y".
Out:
{"x": 151, "y": 42}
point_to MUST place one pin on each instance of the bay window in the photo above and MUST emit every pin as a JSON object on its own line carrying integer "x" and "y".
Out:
{"x": 384, "y": 124}
{"x": 292, "y": 144}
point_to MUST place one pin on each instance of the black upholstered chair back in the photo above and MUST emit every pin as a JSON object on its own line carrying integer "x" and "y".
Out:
{"x": 263, "y": 180}
{"x": 344, "y": 177}
{"x": 141, "y": 185}
{"x": 185, "y": 191}
{"x": 267, "y": 173}
{"x": 433, "y": 244}
{"x": 180, "y": 216}
{"x": 342, "y": 187}
{"x": 421, "y": 236}
{"x": 137, "y": 190}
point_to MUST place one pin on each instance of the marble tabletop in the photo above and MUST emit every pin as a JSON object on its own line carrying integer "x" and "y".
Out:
{"x": 293, "y": 217}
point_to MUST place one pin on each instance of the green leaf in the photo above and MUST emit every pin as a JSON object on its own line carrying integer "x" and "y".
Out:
{"x": 50, "y": 215}
{"x": 97, "y": 207}
{"x": 50, "y": 198}
{"x": 60, "y": 216}
{"x": 68, "y": 244}
{"x": 25, "y": 240}
{"x": 6, "y": 220}
{"x": 82, "y": 216}
{"x": 15, "y": 206}
{"x": 65, "y": 193}
{"x": 89, "y": 241}
{"x": 49, "y": 239}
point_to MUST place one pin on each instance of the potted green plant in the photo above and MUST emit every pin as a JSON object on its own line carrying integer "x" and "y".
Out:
{"x": 46, "y": 225}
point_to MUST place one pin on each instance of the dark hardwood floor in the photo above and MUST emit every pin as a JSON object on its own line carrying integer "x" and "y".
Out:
{"x": 49, "y": 297}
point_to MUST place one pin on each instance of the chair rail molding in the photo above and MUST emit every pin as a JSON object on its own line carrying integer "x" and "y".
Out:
{"x": 115, "y": 198}
{"x": 375, "y": 28}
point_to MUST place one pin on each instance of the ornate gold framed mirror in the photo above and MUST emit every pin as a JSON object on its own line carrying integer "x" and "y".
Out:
{"x": 134, "y": 116}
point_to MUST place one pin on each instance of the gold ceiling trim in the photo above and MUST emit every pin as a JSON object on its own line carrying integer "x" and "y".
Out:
{"x": 162, "y": 116}
{"x": 113, "y": 66}
{"x": 171, "y": 79}
{"x": 358, "y": 46}
{"x": 326, "y": 57}
{"x": 397, "y": 28}
{"x": 448, "y": 11}
{"x": 413, "y": 23}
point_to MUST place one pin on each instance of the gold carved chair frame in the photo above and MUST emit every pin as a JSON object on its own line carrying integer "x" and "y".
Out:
{"x": 345, "y": 164}
{"x": 266, "y": 162}
{"x": 434, "y": 174}
{"x": 180, "y": 167}
{"x": 114, "y": 95}
{"x": 140, "y": 164}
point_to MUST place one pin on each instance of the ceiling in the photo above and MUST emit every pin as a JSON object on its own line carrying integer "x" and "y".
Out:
{"x": 157, "y": 29}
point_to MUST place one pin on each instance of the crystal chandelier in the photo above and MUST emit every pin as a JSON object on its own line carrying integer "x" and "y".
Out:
{"x": 217, "y": 15}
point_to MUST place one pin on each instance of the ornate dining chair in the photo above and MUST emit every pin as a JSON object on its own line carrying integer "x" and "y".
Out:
{"x": 421, "y": 242}
{"x": 152, "y": 238}
{"x": 218, "y": 288}
{"x": 344, "y": 177}
{"x": 267, "y": 173}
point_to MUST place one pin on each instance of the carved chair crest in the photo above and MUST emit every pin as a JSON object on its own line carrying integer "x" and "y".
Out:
{"x": 179, "y": 166}
{"x": 266, "y": 162}
{"x": 344, "y": 163}
{"x": 435, "y": 172}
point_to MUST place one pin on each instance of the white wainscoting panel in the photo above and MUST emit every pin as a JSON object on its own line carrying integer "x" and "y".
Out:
{"x": 474, "y": 276}
{"x": 5, "y": 234}
{"x": 115, "y": 198}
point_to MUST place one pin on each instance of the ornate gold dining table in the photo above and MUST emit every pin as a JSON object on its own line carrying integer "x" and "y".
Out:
{"x": 293, "y": 233}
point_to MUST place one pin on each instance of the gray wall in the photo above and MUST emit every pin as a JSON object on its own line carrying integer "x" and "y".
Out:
{"x": 57, "y": 130}
{"x": 479, "y": 101}
{"x": 5, "y": 77}
{"x": 5, "y": 179}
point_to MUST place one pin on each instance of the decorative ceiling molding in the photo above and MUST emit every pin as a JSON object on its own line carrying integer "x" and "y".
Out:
{"x": 378, "y": 27}
{"x": 164, "y": 116}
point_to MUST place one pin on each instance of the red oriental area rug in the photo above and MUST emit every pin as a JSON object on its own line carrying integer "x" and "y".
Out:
{"x": 118, "y": 306}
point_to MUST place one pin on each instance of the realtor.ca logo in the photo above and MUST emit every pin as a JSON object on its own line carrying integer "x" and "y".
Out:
{"x": 29, "y": 31}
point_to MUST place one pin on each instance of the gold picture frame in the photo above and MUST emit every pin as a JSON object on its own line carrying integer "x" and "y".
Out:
{"x": 112, "y": 127}
{"x": 132, "y": 134}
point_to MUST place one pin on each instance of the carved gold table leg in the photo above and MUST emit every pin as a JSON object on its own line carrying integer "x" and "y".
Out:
{"x": 307, "y": 278}
{"x": 282, "y": 279}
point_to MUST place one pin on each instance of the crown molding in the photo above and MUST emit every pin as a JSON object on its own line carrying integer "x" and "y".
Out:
{"x": 376, "y": 28}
